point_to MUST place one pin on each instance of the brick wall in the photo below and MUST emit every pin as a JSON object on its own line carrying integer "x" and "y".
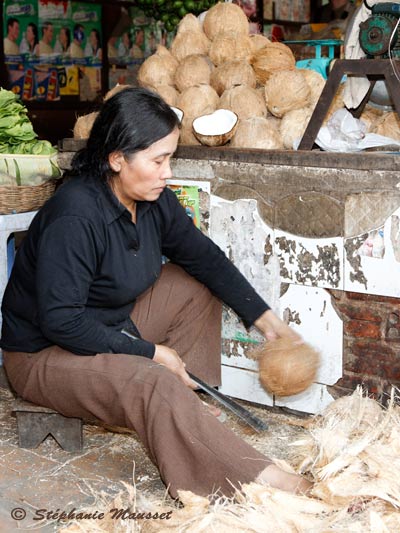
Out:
{"x": 371, "y": 342}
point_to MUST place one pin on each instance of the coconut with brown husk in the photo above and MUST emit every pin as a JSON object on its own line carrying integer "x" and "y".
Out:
{"x": 245, "y": 101}
{"x": 258, "y": 41}
{"x": 286, "y": 90}
{"x": 225, "y": 17}
{"x": 117, "y": 89}
{"x": 227, "y": 45}
{"x": 215, "y": 129}
{"x": 271, "y": 58}
{"x": 197, "y": 101}
{"x": 316, "y": 83}
{"x": 158, "y": 69}
{"x": 186, "y": 135}
{"x": 388, "y": 125}
{"x": 232, "y": 73}
{"x": 293, "y": 125}
{"x": 167, "y": 93}
{"x": 193, "y": 70}
{"x": 189, "y": 42}
{"x": 257, "y": 132}
{"x": 286, "y": 367}
{"x": 83, "y": 125}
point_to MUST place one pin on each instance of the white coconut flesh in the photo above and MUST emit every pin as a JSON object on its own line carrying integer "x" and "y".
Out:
{"x": 178, "y": 112}
{"x": 217, "y": 123}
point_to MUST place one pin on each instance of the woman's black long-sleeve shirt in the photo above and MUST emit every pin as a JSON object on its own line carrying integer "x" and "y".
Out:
{"x": 84, "y": 262}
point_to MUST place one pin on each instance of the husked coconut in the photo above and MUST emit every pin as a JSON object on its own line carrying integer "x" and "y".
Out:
{"x": 232, "y": 73}
{"x": 199, "y": 100}
{"x": 274, "y": 122}
{"x": 186, "y": 135}
{"x": 226, "y": 17}
{"x": 261, "y": 91}
{"x": 83, "y": 125}
{"x": 228, "y": 45}
{"x": 188, "y": 43}
{"x": 272, "y": 58}
{"x": 118, "y": 88}
{"x": 215, "y": 129}
{"x": 158, "y": 69}
{"x": 189, "y": 23}
{"x": 193, "y": 70}
{"x": 245, "y": 101}
{"x": 287, "y": 368}
{"x": 337, "y": 103}
{"x": 286, "y": 90}
{"x": 163, "y": 52}
{"x": 257, "y": 41}
{"x": 388, "y": 125}
{"x": 316, "y": 82}
{"x": 371, "y": 117}
{"x": 257, "y": 132}
{"x": 293, "y": 125}
{"x": 167, "y": 93}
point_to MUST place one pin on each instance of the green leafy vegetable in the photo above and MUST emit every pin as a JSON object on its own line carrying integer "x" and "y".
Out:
{"x": 16, "y": 131}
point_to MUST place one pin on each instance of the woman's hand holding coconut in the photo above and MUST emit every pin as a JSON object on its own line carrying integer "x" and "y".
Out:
{"x": 272, "y": 327}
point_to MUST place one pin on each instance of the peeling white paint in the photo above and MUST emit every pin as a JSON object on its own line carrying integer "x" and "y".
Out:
{"x": 305, "y": 261}
{"x": 313, "y": 400}
{"x": 319, "y": 325}
{"x": 244, "y": 384}
{"x": 374, "y": 275}
{"x": 237, "y": 228}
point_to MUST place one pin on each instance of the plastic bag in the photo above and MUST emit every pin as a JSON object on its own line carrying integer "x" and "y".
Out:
{"x": 344, "y": 133}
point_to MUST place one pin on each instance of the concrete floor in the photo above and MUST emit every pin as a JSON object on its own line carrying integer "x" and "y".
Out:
{"x": 102, "y": 477}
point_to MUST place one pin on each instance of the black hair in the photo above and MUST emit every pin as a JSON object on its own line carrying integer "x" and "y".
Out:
{"x": 68, "y": 36}
{"x": 130, "y": 121}
{"x": 11, "y": 21}
{"x": 45, "y": 26}
{"x": 97, "y": 33}
{"x": 35, "y": 34}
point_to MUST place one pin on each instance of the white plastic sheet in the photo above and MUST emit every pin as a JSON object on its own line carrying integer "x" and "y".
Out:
{"x": 344, "y": 133}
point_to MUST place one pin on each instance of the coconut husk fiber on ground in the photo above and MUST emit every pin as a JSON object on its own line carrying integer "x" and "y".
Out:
{"x": 351, "y": 452}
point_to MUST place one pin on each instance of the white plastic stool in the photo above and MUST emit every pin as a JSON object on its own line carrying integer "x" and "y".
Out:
{"x": 10, "y": 224}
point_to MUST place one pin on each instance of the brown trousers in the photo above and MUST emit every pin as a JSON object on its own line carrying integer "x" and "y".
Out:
{"x": 191, "y": 448}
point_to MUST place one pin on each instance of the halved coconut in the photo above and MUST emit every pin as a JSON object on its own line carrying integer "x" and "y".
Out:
{"x": 215, "y": 129}
{"x": 178, "y": 112}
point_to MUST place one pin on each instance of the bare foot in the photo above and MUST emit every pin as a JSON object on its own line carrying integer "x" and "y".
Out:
{"x": 213, "y": 410}
{"x": 279, "y": 479}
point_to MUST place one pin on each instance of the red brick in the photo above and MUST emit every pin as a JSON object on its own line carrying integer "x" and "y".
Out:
{"x": 372, "y": 298}
{"x": 361, "y": 329}
{"x": 350, "y": 381}
{"x": 369, "y": 348}
{"x": 360, "y": 312}
{"x": 373, "y": 368}
{"x": 337, "y": 295}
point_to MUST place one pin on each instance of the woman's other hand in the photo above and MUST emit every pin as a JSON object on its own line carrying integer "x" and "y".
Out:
{"x": 169, "y": 358}
{"x": 273, "y": 327}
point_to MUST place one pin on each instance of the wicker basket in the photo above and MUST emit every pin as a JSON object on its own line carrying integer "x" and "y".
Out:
{"x": 19, "y": 199}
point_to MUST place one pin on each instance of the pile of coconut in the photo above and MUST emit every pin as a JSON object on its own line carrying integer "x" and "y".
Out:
{"x": 351, "y": 451}
{"x": 215, "y": 64}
